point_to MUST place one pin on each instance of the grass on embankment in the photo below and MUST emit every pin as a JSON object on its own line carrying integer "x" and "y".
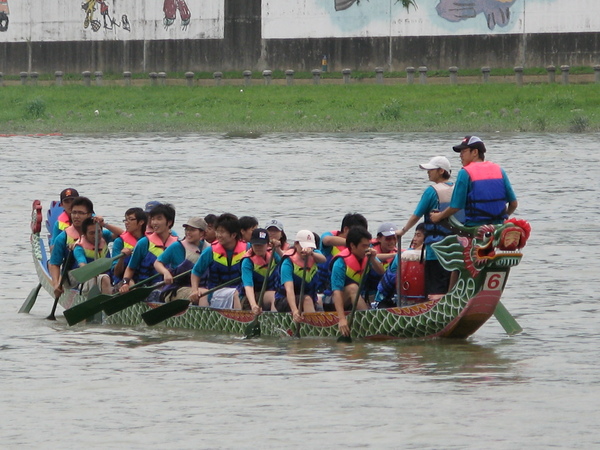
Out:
{"x": 304, "y": 108}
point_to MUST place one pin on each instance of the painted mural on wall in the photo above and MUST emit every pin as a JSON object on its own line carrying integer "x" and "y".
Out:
{"x": 496, "y": 12}
{"x": 383, "y": 18}
{"x": 4, "y": 15}
{"x": 108, "y": 22}
{"x": 76, "y": 20}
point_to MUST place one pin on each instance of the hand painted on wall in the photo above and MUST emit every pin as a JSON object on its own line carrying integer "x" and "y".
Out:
{"x": 497, "y": 12}
{"x": 3, "y": 15}
{"x": 107, "y": 20}
{"x": 170, "y": 8}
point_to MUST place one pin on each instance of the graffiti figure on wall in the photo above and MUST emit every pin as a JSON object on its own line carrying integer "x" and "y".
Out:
{"x": 107, "y": 21}
{"x": 340, "y": 5}
{"x": 497, "y": 12}
{"x": 170, "y": 8}
{"x": 3, "y": 15}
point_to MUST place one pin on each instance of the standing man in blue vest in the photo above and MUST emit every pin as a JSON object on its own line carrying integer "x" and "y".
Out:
{"x": 482, "y": 188}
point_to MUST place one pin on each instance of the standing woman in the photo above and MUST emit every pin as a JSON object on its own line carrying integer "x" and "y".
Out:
{"x": 435, "y": 198}
{"x": 287, "y": 297}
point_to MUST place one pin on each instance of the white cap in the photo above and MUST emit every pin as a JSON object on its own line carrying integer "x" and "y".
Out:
{"x": 387, "y": 229}
{"x": 306, "y": 239}
{"x": 437, "y": 162}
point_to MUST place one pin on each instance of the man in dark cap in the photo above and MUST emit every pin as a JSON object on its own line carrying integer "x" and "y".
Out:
{"x": 64, "y": 219}
{"x": 482, "y": 188}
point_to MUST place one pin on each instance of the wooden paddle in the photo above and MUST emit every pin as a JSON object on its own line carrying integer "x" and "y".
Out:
{"x": 93, "y": 269}
{"x": 30, "y": 300}
{"x": 61, "y": 281}
{"x": 130, "y": 298}
{"x": 348, "y": 339}
{"x": 253, "y": 328}
{"x": 399, "y": 272}
{"x": 301, "y": 302}
{"x": 508, "y": 322}
{"x": 96, "y": 303}
{"x": 175, "y": 307}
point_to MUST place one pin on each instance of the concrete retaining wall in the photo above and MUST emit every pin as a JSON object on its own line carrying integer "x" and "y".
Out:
{"x": 242, "y": 47}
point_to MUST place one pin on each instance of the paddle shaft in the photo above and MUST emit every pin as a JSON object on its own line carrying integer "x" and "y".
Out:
{"x": 170, "y": 309}
{"x": 399, "y": 272}
{"x": 61, "y": 280}
{"x": 253, "y": 328}
{"x": 82, "y": 274}
{"x": 301, "y": 299}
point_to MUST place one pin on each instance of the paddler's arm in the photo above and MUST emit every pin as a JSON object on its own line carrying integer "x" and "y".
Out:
{"x": 127, "y": 276}
{"x": 334, "y": 241}
{"x": 248, "y": 283}
{"x": 338, "y": 277}
{"x": 162, "y": 269}
{"x": 115, "y": 230}
{"x": 411, "y": 222}
{"x": 375, "y": 263}
{"x": 439, "y": 216}
{"x": 199, "y": 268}
{"x": 57, "y": 258}
{"x": 512, "y": 206}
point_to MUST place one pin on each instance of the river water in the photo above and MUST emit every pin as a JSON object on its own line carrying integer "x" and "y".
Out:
{"x": 98, "y": 387}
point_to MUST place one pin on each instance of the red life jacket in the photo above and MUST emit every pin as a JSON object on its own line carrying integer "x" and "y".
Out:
{"x": 354, "y": 268}
{"x": 129, "y": 240}
{"x": 90, "y": 249}
{"x": 64, "y": 221}
{"x": 72, "y": 235}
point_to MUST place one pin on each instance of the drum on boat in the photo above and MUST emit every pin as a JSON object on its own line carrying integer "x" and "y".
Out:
{"x": 412, "y": 287}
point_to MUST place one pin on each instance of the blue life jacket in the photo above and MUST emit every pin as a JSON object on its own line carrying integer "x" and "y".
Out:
{"x": 486, "y": 201}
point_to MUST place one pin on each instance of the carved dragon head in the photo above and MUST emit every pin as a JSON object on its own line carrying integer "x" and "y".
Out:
{"x": 485, "y": 246}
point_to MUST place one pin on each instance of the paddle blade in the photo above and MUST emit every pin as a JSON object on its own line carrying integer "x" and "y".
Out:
{"x": 94, "y": 292}
{"x": 508, "y": 322}
{"x": 165, "y": 311}
{"x": 85, "y": 310}
{"x": 93, "y": 269}
{"x": 123, "y": 301}
{"x": 345, "y": 339}
{"x": 252, "y": 329}
{"x": 30, "y": 300}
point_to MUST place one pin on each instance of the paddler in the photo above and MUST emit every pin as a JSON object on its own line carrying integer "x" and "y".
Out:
{"x": 255, "y": 264}
{"x": 85, "y": 252}
{"x": 386, "y": 289}
{"x": 220, "y": 263}
{"x": 293, "y": 269}
{"x": 81, "y": 209}
{"x": 151, "y": 246}
{"x": 135, "y": 222}
{"x": 435, "y": 198}
{"x": 348, "y": 269}
{"x": 332, "y": 243}
{"x": 181, "y": 257}
{"x": 482, "y": 188}
{"x": 385, "y": 243}
{"x": 64, "y": 219}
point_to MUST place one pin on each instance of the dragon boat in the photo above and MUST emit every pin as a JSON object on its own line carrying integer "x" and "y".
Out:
{"x": 482, "y": 255}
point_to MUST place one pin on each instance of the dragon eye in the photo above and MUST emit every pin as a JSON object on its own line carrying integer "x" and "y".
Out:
{"x": 488, "y": 234}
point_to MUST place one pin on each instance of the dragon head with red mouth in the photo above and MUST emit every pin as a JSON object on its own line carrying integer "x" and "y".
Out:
{"x": 485, "y": 246}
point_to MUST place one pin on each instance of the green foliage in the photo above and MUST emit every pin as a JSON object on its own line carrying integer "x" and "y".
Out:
{"x": 304, "y": 107}
{"x": 391, "y": 111}
{"x": 35, "y": 109}
{"x": 579, "y": 124}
